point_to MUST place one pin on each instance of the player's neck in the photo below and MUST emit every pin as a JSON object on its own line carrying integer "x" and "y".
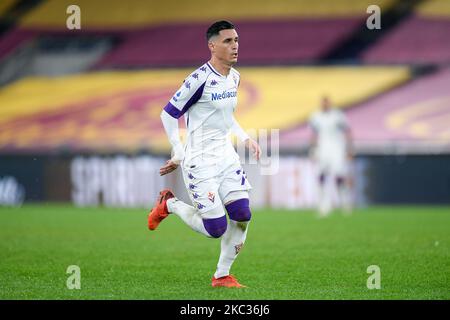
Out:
{"x": 220, "y": 67}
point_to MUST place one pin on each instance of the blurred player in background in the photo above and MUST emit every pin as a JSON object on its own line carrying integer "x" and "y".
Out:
{"x": 331, "y": 150}
{"x": 210, "y": 165}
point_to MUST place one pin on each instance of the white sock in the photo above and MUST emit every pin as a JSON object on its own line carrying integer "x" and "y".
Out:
{"x": 188, "y": 214}
{"x": 232, "y": 241}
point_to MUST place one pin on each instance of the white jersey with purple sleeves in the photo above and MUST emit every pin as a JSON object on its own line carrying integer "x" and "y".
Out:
{"x": 331, "y": 149}
{"x": 207, "y": 100}
{"x": 211, "y": 166}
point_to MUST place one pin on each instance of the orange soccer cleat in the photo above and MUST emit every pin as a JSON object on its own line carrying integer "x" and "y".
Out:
{"x": 227, "y": 281}
{"x": 159, "y": 211}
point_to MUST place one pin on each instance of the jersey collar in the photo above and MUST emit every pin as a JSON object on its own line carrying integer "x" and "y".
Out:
{"x": 215, "y": 71}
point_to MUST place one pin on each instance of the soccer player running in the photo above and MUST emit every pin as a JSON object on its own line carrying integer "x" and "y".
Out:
{"x": 331, "y": 149}
{"x": 210, "y": 165}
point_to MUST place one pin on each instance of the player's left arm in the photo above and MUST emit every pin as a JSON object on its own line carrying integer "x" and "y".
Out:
{"x": 244, "y": 137}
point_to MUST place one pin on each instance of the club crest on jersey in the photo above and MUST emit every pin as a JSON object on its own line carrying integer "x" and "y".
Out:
{"x": 211, "y": 196}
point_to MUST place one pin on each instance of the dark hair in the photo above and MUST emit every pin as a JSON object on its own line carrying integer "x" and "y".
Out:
{"x": 216, "y": 27}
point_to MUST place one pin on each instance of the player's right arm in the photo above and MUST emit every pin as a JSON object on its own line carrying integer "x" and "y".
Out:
{"x": 245, "y": 138}
{"x": 186, "y": 96}
{"x": 171, "y": 127}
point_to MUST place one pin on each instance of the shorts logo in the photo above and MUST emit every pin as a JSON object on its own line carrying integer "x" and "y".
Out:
{"x": 211, "y": 196}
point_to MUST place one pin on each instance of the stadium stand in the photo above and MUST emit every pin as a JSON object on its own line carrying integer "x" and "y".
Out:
{"x": 139, "y": 34}
{"x": 303, "y": 31}
{"x": 159, "y": 34}
{"x": 165, "y": 28}
{"x": 5, "y": 6}
{"x": 101, "y": 14}
{"x": 422, "y": 38}
{"x": 415, "y": 116}
{"x": 291, "y": 38}
{"x": 120, "y": 110}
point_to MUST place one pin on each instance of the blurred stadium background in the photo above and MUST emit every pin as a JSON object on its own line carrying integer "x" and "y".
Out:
{"x": 81, "y": 143}
{"x": 79, "y": 109}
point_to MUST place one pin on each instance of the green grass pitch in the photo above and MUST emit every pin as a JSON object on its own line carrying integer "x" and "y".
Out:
{"x": 287, "y": 255}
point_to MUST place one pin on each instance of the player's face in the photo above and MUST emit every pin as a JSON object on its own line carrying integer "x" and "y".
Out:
{"x": 225, "y": 46}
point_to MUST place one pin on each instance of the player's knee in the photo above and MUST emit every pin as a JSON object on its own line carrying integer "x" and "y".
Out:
{"x": 239, "y": 210}
{"x": 215, "y": 227}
